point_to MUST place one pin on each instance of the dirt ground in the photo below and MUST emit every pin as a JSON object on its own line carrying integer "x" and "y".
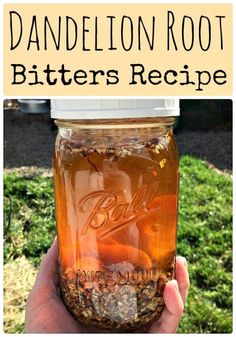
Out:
{"x": 31, "y": 145}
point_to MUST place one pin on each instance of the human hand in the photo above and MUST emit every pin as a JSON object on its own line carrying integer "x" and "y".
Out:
{"x": 46, "y": 313}
{"x": 175, "y": 296}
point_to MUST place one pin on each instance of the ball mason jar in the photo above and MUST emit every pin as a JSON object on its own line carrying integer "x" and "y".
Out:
{"x": 116, "y": 197}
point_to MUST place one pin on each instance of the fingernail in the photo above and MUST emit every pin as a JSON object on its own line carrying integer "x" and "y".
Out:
{"x": 175, "y": 283}
{"x": 184, "y": 261}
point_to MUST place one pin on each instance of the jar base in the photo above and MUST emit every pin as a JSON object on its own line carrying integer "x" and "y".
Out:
{"x": 118, "y": 307}
{"x": 107, "y": 326}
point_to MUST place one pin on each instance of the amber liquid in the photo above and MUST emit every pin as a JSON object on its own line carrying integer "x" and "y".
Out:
{"x": 116, "y": 211}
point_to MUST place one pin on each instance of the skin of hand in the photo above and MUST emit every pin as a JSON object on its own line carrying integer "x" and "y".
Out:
{"x": 46, "y": 313}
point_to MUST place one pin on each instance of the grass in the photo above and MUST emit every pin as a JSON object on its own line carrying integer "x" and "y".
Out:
{"x": 29, "y": 223}
{"x": 19, "y": 277}
{"x": 204, "y": 238}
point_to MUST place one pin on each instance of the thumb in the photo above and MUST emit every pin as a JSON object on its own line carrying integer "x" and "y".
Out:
{"x": 48, "y": 270}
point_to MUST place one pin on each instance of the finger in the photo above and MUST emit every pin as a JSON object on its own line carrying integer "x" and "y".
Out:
{"x": 182, "y": 277}
{"x": 48, "y": 270}
{"x": 169, "y": 320}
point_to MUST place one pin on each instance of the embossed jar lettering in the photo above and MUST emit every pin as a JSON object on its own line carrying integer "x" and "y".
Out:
{"x": 108, "y": 211}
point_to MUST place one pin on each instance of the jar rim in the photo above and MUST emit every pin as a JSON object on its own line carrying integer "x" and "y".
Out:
{"x": 106, "y": 124}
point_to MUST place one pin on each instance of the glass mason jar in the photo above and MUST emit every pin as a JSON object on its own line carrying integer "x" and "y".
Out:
{"x": 116, "y": 196}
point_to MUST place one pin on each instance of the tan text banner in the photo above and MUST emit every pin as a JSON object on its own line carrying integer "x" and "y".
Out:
{"x": 118, "y": 49}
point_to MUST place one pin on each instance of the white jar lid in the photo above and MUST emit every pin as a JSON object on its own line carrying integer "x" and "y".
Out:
{"x": 113, "y": 108}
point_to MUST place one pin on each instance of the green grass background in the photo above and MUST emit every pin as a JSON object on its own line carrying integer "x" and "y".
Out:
{"x": 204, "y": 237}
